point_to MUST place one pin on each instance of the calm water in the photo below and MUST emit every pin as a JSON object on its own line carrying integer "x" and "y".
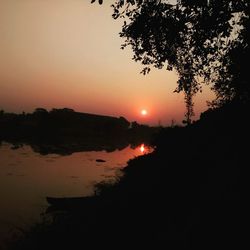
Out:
{"x": 27, "y": 177}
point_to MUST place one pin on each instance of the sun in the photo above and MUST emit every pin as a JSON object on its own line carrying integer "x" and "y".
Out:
{"x": 144, "y": 112}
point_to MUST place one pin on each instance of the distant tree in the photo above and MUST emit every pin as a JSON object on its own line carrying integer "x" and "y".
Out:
{"x": 124, "y": 122}
{"x": 68, "y": 110}
{"x": 63, "y": 110}
{"x": 134, "y": 125}
{"x": 204, "y": 41}
{"x": 40, "y": 111}
{"x": 173, "y": 123}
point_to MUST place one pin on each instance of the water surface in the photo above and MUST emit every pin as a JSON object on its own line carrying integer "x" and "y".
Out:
{"x": 27, "y": 177}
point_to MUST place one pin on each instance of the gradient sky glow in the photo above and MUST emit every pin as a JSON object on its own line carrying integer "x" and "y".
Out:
{"x": 66, "y": 53}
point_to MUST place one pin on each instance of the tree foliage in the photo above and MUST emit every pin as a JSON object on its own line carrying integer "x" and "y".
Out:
{"x": 205, "y": 41}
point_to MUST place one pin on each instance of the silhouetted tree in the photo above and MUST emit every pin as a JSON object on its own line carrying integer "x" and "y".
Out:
{"x": 134, "y": 125}
{"x": 203, "y": 40}
{"x": 40, "y": 111}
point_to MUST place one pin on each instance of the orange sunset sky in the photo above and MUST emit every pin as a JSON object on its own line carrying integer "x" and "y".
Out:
{"x": 66, "y": 53}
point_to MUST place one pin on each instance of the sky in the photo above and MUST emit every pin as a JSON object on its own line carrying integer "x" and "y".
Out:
{"x": 66, "y": 53}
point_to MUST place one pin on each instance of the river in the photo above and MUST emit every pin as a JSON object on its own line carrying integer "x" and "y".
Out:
{"x": 27, "y": 177}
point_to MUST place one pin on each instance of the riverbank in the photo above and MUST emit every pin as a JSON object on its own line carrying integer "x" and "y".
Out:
{"x": 185, "y": 195}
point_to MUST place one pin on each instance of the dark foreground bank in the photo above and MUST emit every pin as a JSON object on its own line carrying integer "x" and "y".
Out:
{"x": 185, "y": 195}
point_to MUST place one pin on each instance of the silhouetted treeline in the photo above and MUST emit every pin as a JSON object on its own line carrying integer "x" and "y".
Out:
{"x": 65, "y": 131}
{"x": 59, "y": 122}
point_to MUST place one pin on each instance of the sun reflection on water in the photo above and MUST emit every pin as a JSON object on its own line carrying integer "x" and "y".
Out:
{"x": 143, "y": 149}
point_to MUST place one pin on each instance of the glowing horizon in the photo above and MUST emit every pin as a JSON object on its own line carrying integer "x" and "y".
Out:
{"x": 57, "y": 54}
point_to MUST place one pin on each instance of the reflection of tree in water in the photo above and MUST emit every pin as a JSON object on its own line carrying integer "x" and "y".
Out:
{"x": 68, "y": 148}
{"x": 108, "y": 146}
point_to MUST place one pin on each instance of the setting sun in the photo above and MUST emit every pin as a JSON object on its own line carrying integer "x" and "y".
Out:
{"x": 144, "y": 112}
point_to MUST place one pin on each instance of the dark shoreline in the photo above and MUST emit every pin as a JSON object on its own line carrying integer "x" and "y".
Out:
{"x": 184, "y": 195}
